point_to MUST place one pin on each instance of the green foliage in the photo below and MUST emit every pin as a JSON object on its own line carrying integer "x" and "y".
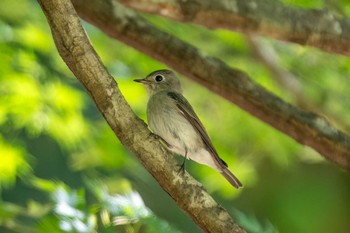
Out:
{"x": 13, "y": 163}
{"x": 305, "y": 4}
{"x": 63, "y": 170}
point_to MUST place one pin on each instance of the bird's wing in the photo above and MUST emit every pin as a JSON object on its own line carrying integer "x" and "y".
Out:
{"x": 187, "y": 111}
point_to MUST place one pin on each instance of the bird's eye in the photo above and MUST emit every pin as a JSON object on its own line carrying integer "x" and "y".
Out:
{"x": 159, "y": 78}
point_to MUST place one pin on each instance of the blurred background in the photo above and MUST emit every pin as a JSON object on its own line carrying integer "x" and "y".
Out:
{"x": 63, "y": 170}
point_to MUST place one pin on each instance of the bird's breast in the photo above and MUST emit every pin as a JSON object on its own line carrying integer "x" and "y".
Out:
{"x": 165, "y": 120}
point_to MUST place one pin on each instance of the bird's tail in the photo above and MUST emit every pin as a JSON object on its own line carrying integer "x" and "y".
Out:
{"x": 231, "y": 178}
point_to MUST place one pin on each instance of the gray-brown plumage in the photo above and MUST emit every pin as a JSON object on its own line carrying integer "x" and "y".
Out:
{"x": 171, "y": 117}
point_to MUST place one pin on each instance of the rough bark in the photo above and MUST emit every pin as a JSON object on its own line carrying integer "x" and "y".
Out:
{"x": 236, "y": 86}
{"x": 315, "y": 27}
{"x": 77, "y": 52}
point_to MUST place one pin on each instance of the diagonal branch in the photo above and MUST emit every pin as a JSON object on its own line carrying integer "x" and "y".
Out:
{"x": 75, "y": 49}
{"x": 305, "y": 127}
{"x": 287, "y": 80}
{"x": 318, "y": 28}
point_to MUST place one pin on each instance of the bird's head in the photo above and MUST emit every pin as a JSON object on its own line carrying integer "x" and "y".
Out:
{"x": 161, "y": 80}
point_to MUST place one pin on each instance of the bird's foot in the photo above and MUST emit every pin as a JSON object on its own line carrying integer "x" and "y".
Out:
{"x": 182, "y": 168}
{"x": 156, "y": 136}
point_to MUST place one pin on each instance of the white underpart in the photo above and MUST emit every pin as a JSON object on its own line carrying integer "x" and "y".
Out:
{"x": 166, "y": 121}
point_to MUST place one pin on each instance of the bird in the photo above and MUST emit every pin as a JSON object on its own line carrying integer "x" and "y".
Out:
{"x": 171, "y": 117}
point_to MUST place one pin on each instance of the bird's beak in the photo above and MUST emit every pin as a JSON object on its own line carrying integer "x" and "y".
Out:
{"x": 139, "y": 80}
{"x": 143, "y": 81}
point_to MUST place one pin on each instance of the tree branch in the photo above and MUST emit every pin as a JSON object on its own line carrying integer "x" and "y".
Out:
{"x": 75, "y": 49}
{"x": 287, "y": 80}
{"x": 270, "y": 18}
{"x": 234, "y": 85}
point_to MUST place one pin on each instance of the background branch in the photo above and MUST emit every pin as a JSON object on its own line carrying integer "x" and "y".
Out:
{"x": 314, "y": 27}
{"x": 81, "y": 58}
{"x": 288, "y": 81}
{"x": 305, "y": 127}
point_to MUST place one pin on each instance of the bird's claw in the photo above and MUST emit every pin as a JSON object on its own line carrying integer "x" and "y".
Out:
{"x": 182, "y": 169}
{"x": 157, "y": 137}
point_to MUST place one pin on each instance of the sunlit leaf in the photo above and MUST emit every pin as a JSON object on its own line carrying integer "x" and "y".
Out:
{"x": 12, "y": 163}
